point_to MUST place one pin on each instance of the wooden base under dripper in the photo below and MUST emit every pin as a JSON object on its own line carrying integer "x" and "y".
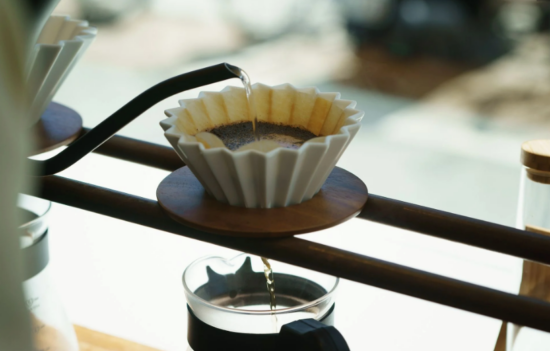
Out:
{"x": 58, "y": 126}
{"x": 184, "y": 199}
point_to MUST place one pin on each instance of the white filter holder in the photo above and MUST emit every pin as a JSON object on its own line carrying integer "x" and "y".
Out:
{"x": 254, "y": 178}
{"x": 59, "y": 46}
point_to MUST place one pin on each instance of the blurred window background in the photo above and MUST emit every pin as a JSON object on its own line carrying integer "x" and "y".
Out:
{"x": 450, "y": 90}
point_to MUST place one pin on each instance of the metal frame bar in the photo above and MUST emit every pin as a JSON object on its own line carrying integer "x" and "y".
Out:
{"x": 360, "y": 268}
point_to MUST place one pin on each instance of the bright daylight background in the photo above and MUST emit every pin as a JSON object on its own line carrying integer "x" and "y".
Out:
{"x": 450, "y": 90}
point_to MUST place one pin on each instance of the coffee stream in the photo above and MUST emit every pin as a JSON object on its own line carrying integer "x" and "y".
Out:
{"x": 245, "y": 79}
{"x": 268, "y": 272}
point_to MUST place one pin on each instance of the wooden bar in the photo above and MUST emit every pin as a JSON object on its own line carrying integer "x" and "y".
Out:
{"x": 363, "y": 269}
{"x": 440, "y": 224}
{"x": 149, "y": 154}
{"x": 465, "y": 230}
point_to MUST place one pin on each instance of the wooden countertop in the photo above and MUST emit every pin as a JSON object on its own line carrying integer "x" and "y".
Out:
{"x": 91, "y": 340}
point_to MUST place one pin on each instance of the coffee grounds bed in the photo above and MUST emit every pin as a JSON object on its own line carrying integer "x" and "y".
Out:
{"x": 239, "y": 134}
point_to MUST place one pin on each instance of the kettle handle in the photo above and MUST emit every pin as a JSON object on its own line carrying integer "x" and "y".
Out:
{"x": 311, "y": 335}
{"x": 127, "y": 113}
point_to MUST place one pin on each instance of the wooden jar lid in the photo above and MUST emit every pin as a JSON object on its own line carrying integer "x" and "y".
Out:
{"x": 535, "y": 155}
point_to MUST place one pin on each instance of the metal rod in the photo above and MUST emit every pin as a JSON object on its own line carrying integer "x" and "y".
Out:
{"x": 466, "y": 230}
{"x": 127, "y": 113}
{"x": 363, "y": 269}
{"x": 444, "y": 225}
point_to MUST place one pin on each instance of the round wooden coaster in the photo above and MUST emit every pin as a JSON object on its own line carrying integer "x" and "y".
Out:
{"x": 184, "y": 199}
{"x": 58, "y": 126}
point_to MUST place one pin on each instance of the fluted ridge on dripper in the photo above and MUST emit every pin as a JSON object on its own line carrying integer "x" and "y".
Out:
{"x": 254, "y": 179}
{"x": 60, "y": 44}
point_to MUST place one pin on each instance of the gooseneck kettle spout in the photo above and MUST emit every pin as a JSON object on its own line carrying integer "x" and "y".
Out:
{"x": 106, "y": 129}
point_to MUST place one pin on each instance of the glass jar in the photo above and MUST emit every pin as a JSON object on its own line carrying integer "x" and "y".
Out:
{"x": 52, "y": 330}
{"x": 230, "y": 307}
{"x": 533, "y": 215}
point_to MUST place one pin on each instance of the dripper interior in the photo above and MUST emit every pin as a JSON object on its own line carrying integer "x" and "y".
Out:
{"x": 315, "y": 114}
{"x": 235, "y": 136}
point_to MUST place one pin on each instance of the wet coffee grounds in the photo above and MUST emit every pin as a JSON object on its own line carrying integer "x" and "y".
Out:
{"x": 238, "y": 134}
